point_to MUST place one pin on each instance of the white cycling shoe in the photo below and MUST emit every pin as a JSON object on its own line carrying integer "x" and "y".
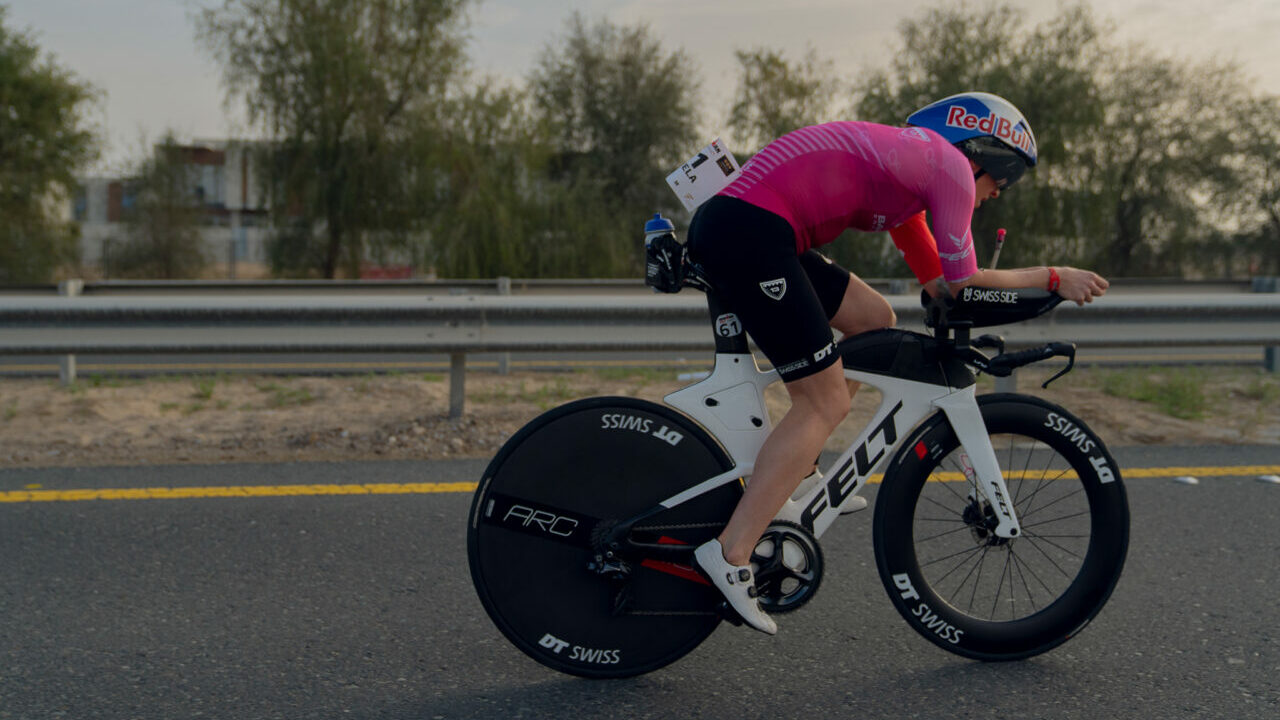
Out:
{"x": 737, "y": 583}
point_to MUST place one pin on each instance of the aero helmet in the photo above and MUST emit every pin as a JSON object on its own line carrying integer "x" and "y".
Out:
{"x": 988, "y": 129}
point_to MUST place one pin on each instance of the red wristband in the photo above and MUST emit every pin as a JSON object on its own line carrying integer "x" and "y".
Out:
{"x": 1054, "y": 280}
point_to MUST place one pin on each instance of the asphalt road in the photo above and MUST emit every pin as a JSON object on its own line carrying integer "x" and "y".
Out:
{"x": 327, "y": 606}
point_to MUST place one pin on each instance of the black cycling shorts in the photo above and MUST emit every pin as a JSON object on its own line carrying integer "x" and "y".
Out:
{"x": 784, "y": 301}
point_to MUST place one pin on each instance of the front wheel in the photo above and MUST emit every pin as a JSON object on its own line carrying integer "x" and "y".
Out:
{"x": 991, "y": 598}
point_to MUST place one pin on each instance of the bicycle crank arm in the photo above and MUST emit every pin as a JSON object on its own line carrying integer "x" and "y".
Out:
{"x": 961, "y": 409}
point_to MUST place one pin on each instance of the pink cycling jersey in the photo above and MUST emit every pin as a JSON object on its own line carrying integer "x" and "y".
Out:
{"x": 825, "y": 178}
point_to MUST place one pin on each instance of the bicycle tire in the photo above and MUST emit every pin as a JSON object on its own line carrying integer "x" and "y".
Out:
{"x": 1050, "y": 581}
{"x": 581, "y": 466}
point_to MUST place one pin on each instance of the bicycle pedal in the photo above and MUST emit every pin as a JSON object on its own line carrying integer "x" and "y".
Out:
{"x": 729, "y": 615}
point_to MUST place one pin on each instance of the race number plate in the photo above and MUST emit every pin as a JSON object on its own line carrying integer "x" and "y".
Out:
{"x": 704, "y": 175}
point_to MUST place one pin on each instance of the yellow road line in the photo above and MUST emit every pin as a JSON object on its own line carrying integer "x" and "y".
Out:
{"x": 1200, "y": 471}
{"x": 1127, "y": 473}
{"x": 32, "y": 495}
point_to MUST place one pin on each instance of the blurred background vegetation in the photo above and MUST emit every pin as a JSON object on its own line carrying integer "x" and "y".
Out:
{"x": 381, "y": 143}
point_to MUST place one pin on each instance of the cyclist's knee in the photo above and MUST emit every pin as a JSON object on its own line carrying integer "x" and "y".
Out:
{"x": 873, "y": 313}
{"x": 834, "y": 408}
{"x": 881, "y": 315}
{"x": 824, "y": 395}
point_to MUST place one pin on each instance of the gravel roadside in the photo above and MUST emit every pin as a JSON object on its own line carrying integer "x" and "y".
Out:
{"x": 237, "y": 418}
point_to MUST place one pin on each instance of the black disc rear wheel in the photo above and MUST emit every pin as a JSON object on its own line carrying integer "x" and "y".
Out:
{"x": 545, "y": 502}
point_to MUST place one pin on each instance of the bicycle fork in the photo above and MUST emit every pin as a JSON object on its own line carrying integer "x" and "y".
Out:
{"x": 961, "y": 409}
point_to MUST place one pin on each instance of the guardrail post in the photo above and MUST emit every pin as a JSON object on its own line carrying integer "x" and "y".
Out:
{"x": 1271, "y": 353}
{"x": 67, "y": 363}
{"x": 457, "y": 384}
{"x": 504, "y": 359}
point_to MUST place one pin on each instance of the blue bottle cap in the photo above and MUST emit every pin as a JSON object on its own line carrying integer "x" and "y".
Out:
{"x": 658, "y": 224}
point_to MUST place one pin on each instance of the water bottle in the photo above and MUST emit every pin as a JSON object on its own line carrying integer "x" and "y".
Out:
{"x": 664, "y": 256}
{"x": 656, "y": 228}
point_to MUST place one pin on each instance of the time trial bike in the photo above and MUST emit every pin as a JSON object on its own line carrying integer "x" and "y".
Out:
{"x": 1000, "y": 526}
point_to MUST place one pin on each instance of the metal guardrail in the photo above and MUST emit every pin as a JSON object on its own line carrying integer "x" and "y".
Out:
{"x": 530, "y": 286}
{"x": 461, "y": 325}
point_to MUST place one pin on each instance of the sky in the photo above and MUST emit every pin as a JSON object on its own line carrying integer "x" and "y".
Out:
{"x": 143, "y": 56}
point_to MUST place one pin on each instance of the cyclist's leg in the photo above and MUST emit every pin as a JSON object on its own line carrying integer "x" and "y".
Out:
{"x": 851, "y": 305}
{"x": 818, "y": 403}
{"x": 749, "y": 255}
{"x": 862, "y": 309}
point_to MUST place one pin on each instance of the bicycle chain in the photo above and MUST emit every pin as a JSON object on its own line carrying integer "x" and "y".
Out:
{"x": 674, "y": 613}
{"x": 687, "y": 526}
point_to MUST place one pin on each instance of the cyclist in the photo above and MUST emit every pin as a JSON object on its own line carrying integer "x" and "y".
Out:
{"x": 755, "y": 242}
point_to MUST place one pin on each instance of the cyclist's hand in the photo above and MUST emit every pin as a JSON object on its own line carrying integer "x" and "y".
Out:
{"x": 1081, "y": 286}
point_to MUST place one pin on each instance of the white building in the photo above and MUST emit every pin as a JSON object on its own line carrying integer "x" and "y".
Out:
{"x": 223, "y": 180}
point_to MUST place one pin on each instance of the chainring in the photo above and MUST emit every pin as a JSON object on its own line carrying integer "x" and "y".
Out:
{"x": 788, "y": 567}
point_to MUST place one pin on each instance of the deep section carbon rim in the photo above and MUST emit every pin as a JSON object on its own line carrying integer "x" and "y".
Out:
{"x": 982, "y": 596}
{"x": 992, "y": 578}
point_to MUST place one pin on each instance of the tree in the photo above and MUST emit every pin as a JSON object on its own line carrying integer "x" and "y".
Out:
{"x": 162, "y": 238}
{"x": 1049, "y": 73}
{"x": 1247, "y": 223}
{"x": 43, "y": 142}
{"x": 1168, "y": 146}
{"x": 484, "y": 171}
{"x": 342, "y": 87}
{"x": 620, "y": 114}
{"x": 1138, "y": 152}
{"x": 775, "y": 96}
{"x": 1254, "y": 212}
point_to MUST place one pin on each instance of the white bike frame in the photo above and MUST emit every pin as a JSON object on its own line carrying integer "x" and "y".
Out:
{"x": 729, "y": 403}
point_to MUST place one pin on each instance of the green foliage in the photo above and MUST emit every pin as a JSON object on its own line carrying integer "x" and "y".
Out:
{"x": 284, "y": 396}
{"x": 619, "y": 113}
{"x": 343, "y": 87}
{"x": 1169, "y": 144}
{"x": 1254, "y": 210}
{"x": 43, "y": 142}
{"x": 543, "y": 395}
{"x": 1262, "y": 387}
{"x": 775, "y": 96}
{"x": 1148, "y": 164}
{"x": 162, "y": 235}
{"x": 1177, "y": 392}
{"x": 1047, "y": 71}
{"x": 204, "y": 387}
{"x": 1141, "y": 156}
{"x": 642, "y": 374}
{"x": 486, "y": 165}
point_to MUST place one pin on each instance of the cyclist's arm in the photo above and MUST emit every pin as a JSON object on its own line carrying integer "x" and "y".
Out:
{"x": 1078, "y": 286}
{"x": 951, "y": 205}
{"x": 918, "y": 248}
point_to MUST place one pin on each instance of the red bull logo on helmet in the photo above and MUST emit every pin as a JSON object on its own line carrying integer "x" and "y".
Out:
{"x": 1017, "y": 136}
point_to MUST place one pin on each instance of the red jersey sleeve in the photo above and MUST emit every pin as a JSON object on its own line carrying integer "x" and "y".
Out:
{"x": 918, "y": 248}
